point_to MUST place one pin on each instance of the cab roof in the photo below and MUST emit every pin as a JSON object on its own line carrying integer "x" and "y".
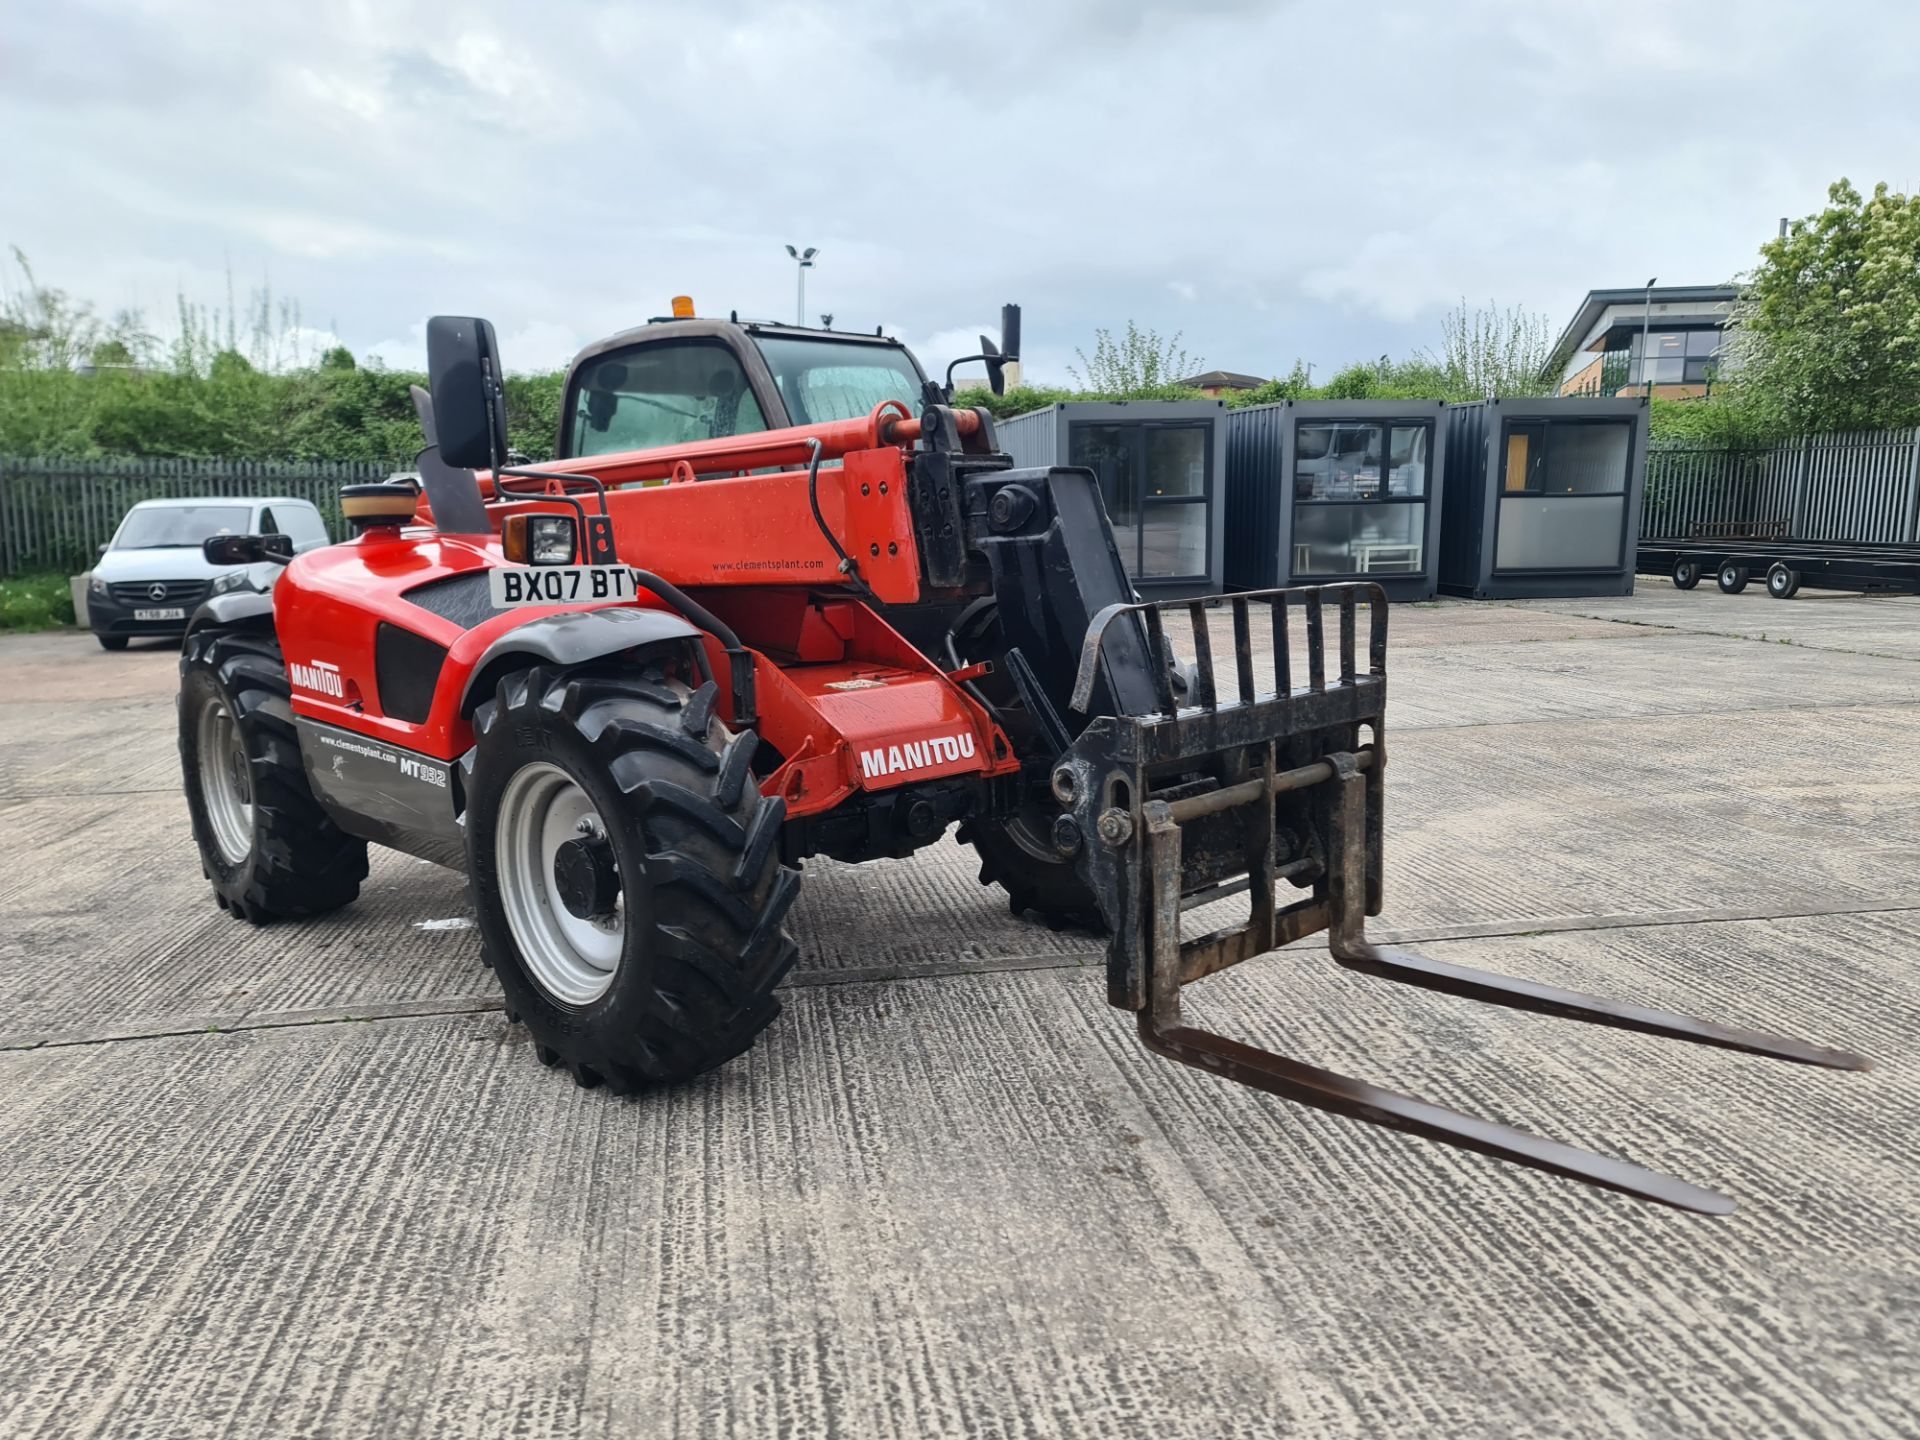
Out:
{"x": 702, "y": 326}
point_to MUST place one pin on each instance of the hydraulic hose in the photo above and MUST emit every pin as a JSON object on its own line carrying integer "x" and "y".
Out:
{"x": 849, "y": 567}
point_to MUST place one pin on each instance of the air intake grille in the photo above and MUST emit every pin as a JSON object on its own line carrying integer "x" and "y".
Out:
{"x": 170, "y": 592}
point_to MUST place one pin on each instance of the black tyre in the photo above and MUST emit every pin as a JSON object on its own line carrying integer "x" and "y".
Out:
{"x": 1732, "y": 578}
{"x": 111, "y": 642}
{"x": 1017, "y": 853}
{"x": 265, "y": 843}
{"x": 1782, "y": 583}
{"x": 626, "y": 873}
{"x": 1686, "y": 574}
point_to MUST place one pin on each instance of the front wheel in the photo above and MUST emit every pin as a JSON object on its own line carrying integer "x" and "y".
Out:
{"x": 1686, "y": 574}
{"x": 1732, "y": 578}
{"x": 111, "y": 642}
{"x": 1783, "y": 583}
{"x": 626, "y": 873}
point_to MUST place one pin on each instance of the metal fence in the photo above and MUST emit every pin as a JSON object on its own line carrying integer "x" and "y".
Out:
{"x": 55, "y": 514}
{"x": 1861, "y": 486}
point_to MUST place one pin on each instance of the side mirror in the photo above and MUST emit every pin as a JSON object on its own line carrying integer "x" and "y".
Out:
{"x": 996, "y": 366}
{"x": 469, "y": 407}
{"x": 247, "y": 549}
{"x": 101, "y": 549}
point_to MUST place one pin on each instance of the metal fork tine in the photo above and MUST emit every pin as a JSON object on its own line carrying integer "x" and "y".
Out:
{"x": 1411, "y": 969}
{"x": 1242, "y": 650}
{"x": 1324, "y": 1090}
{"x": 1316, "y": 643}
{"x": 1203, "y": 687}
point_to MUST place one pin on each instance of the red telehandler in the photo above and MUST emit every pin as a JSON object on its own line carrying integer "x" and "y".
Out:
{"x": 780, "y": 598}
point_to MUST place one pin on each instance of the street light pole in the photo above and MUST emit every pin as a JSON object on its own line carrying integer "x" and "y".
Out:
{"x": 803, "y": 260}
{"x": 1646, "y": 323}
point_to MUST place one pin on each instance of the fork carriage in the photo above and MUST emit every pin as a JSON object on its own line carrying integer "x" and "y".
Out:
{"x": 1284, "y": 782}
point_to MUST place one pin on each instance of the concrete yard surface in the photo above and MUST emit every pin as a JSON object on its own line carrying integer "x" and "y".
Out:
{"x": 306, "y": 1180}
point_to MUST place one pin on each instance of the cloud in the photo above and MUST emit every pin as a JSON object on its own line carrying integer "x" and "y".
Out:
{"x": 1271, "y": 180}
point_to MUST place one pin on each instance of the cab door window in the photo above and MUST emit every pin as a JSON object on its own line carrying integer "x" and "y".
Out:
{"x": 662, "y": 394}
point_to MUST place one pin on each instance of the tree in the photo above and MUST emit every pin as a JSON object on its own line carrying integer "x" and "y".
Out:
{"x": 1297, "y": 386}
{"x": 1135, "y": 366}
{"x": 1492, "y": 351}
{"x": 1826, "y": 335}
{"x": 338, "y": 358}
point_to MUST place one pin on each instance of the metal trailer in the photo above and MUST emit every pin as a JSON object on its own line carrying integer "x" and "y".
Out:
{"x": 1162, "y": 471}
{"x": 1786, "y": 565}
{"x": 1327, "y": 490}
{"x": 1542, "y": 497}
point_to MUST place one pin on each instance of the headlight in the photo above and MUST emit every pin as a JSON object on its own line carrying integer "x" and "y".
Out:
{"x": 96, "y": 586}
{"x": 232, "y": 580}
{"x": 538, "y": 539}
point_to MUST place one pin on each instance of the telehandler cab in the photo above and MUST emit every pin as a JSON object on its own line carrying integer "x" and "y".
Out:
{"x": 780, "y": 598}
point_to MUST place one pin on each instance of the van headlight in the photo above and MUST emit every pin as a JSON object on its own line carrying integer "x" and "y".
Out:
{"x": 96, "y": 586}
{"x": 232, "y": 580}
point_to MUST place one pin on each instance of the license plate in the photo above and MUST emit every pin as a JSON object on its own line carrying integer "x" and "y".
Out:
{"x": 173, "y": 613}
{"x": 513, "y": 585}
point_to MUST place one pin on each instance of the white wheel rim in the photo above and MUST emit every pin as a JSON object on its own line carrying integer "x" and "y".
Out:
{"x": 226, "y": 782}
{"x": 572, "y": 958}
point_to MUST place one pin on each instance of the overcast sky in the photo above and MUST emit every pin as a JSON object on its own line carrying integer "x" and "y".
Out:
{"x": 1272, "y": 180}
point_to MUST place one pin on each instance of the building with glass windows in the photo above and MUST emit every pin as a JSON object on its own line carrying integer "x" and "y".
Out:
{"x": 1321, "y": 490}
{"x": 1161, "y": 466}
{"x": 1542, "y": 497}
{"x": 1684, "y": 332}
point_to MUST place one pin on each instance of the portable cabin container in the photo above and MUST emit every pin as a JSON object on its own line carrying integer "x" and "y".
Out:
{"x": 1321, "y": 490}
{"x": 1543, "y": 497}
{"x": 1162, "y": 471}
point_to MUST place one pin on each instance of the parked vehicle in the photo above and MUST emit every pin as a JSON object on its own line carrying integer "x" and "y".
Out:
{"x": 153, "y": 573}
{"x": 1745, "y": 552}
{"x": 631, "y": 763}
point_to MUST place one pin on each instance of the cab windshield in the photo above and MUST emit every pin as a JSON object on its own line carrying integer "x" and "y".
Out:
{"x": 823, "y": 380}
{"x": 669, "y": 392}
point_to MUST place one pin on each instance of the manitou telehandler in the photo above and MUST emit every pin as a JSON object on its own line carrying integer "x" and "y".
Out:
{"x": 779, "y": 598}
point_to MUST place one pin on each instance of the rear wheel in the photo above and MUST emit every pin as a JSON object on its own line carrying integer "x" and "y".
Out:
{"x": 1783, "y": 583}
{"x": 626, "y": 873}
{"x": 1732, "y": 578}
{"x": 1686, "y": 574}
{"x": 265, "y": 843}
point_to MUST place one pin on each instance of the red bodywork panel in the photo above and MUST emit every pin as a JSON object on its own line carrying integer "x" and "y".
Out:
{"x": 735, "y": 528}
{"x": 844, "y": 700}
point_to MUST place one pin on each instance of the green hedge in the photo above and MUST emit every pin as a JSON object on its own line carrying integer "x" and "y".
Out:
{"x": 35, "y": 602}
{"x": 238, "y": 412}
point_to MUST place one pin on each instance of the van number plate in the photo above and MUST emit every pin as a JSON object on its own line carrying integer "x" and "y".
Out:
{"x": 558, "y": 584}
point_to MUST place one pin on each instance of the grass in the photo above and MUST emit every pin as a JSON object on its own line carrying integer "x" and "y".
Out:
{"x": 35, "y": 602}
